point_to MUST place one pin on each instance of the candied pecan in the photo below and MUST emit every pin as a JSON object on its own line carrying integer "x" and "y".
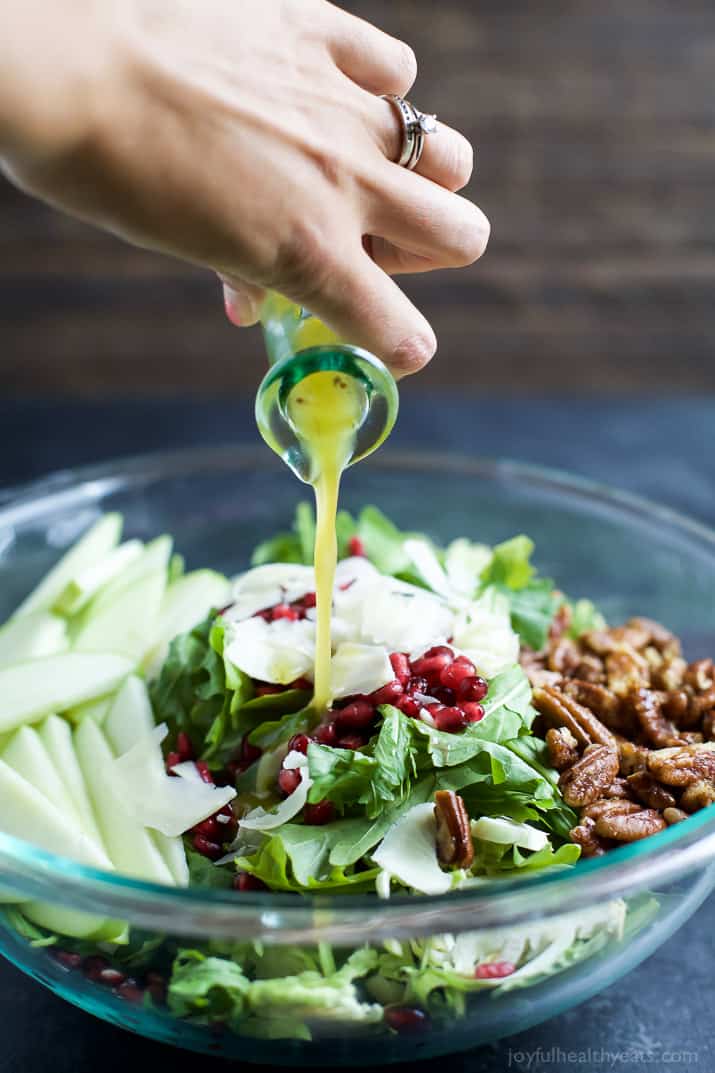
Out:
{"x": 534, "y": 666}
{"x": 683, "y": 765}
{"x": 562, "y": 746}
{"x": 630, "y": 826}
{"x": 558, "y": 709}
{"x": 563, "y": 656}
{"x": 691, "y": 737}
{"x": 626, "y": 670}
{"x": 709, "y": 726}
{"x": 609, "y": 807}
{"x": 454, "y": 838}
{"x": 702, "y": 703}
{"x": 700, "y": 675}
{"x": 560, "y": 622}
{"x": 669, "y": 675}
{"x": 598, "y": 641}
{"x": 658, "y": 636}
{"x": 654, "y": 725}
{"x": 590, "y": 669}
{"x": 674, "y": 815}
{"x": 619, "y": 788}
{"x": 698, "y": 795}
{"x": 601, "y": 701}
{"x": 632, "y": 756}
{"x": 589, "y": 776}
{"x": 585, "y": 836}
{"x": 676, "y": 706}
{"x": 649, "y": 790}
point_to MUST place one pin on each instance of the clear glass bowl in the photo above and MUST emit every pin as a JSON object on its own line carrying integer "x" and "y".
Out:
{"x": 629, "y": 555}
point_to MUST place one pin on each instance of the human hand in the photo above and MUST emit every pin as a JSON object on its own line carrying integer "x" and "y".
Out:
{"x": 247, "y": 136}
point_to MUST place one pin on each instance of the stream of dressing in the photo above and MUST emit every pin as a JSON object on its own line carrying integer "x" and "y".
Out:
{"x": 326, "y": 409}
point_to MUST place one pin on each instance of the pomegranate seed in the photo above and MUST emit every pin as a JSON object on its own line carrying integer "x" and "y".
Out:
{"x": 288, "y": 779}
{"x": 94, "y": 966}
{"x": 401, "y": 666}
{"x": 183, "y": 746}
{"x": 209, "y": 829}
{"x": 408, "y": 706}
{"x": 171, "y": 761}
{"x": 265, "y": 615}
{"x": 450, "y": 719}
{"x": 472, "y": 688}
{"x": 111, "y": 977}
{"x": 309, "y": 600}
{"x": 67, "y": 959}
{"x": 388, "y": 693}
{"x": 207, "y": 847}
{"x": 249, "y": 752}
{"x": 494, "y": 970}
{"x": 326, "y": 734}
{"x": 473, "y": 711}
{"x": 245, "y": 881}
{"x": 445, "y": 696}
{"x": 227, "y": 823}
{"x": 356, "y": 546}
{"x": 130, "y": 991}
{"x": 284, "y": 611}
{"x": 456, "y": 672}
{"x": 156, "y": 986}
{"x": 299, "y": 743}
{"x": 268, "y": 690}
{"x": 320, "y": 813}
{"x": 355, "y": 716}
{"x": 441, "y": 651}
{"x": 352, "y": 741}
{"x": 417, "y": 684}
{"x": 406, "y": 1019}
{"x": 433, "y": 662}
{"x": 301, "y": 683}
{"x": 203, "y": 770}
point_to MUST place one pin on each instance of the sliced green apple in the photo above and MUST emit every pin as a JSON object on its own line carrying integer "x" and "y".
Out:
{"x": 131, "y": 718}
{"x": 35, "y": 634}
{"x": 79, "y": 591}
{"x": 155, "y": 558}
{"x": 35, "y": 688}
{"x": 56, "y": 736}
{"x": 187, "y": 602}
{"x": 91, "y": 709}
{"x": 131, "y": 849}
{"x": 126, "y": 624}
{"x": 89, "y": 549}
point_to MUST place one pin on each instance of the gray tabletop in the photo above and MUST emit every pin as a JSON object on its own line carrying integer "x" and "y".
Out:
{"x": 658, "y": 1017}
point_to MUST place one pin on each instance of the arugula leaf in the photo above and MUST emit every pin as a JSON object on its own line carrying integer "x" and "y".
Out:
{"x": 358, "y": 836}
{"x": 206, "y": 989}
{"x": 395, "y": 755}
{"x": 510, "y": 564}
{"x": 204, "y": 873}
{"x": 585, "y": 616}
{"x": 343, "y": 776}
{"x": 297, "y": 858}
{"x": 276, "y": 731}
{"x": 492, "y": 859}
{"x": 533, "y": 602}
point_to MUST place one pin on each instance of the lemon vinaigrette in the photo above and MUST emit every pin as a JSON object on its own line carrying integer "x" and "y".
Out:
{"x": 322, "y": 406}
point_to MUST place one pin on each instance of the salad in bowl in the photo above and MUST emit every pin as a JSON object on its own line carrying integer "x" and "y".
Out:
{"x": 484, "y": 729}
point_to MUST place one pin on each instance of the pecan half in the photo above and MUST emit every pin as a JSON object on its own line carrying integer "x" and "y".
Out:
{"x": 704, "y": 702}
{"x": 709, "y": 726}
{"x": 658, "y": 636}
{"x": 601, "y": 701}
{"x": 630, "y": 826}
{"x": 632, "y": 756}
{"x": 589, "y": 776}
{"x": 609, "y": 807}
{"x": 674, "y": 815}
{"x": 626, "y": 670}
{"x": 670, "y": 674}
{"x": 649, "y": 791}
{"x": 564, "y": 656}
{"x": 676, "y": 706}
{"x": 684, "y": 765}
{"x": 558, "y": 709}
{"x": 700, "y": 675}
{"x": 698, "y": 795}
{"x": 454, "y": 838}
{"x": 656, "y": 728}
{"x": 619, "y": 788}
{"x": 585, "y": 836}
{"x": 562, "y": 746}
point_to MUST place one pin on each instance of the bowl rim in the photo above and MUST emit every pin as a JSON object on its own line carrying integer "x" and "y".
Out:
{"x": 284, "y": 917}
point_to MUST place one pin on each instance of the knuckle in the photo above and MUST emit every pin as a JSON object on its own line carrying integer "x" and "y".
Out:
{"x": 413, "y": 353}
{"x": 462, "y": 162}
{"x": 301, "y": 266}
{"x": 405, "y": 65}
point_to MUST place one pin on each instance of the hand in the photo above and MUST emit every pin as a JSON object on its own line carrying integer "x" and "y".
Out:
{"x": 247, "y": 136}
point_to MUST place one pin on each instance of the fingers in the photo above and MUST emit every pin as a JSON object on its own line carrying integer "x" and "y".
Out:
{"x": 375, "y": 60}
{"x": 361, "y": 303}
{"x": 242, "y": 301}
{"x": 396, "y": 261}
{"x": 419, "y": 216}
{"x": 447, "y": 157}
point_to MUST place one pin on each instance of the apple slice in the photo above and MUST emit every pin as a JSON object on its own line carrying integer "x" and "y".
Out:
{"x": 56, "y": 736}
{"x": 132, "y": 851}
{"x": 91, "y": 709}
{"x": 89, "y": 549}
{"x": 33, "y": 689}
{"x": 127, "y": 623}
{"x": 131, "y": 718}
{"x": 187, "y": 602}
{"x": 155, "y": 558}
{"x": 35, "y": 634}
{"x": 79, "y": 591}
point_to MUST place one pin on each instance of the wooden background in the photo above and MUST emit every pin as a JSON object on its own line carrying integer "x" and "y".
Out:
{"x": 595, "y": 127}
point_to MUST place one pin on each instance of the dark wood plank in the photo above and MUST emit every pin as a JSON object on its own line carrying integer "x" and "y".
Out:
{"x": 595, "y": 134}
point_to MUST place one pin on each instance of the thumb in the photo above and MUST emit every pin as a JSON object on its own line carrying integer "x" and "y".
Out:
{"x": 242, "y": 301}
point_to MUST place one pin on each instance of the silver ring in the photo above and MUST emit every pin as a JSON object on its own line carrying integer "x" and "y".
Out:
{"x": 415, "y": 126}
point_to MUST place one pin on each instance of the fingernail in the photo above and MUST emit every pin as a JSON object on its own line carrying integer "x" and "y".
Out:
{"x": 240, "y": 309}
